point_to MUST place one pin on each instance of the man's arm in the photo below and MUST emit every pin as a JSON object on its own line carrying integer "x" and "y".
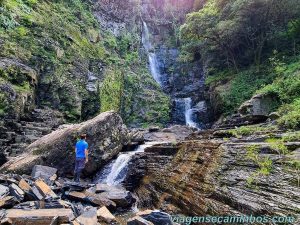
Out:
{"x": 86, "y": 152}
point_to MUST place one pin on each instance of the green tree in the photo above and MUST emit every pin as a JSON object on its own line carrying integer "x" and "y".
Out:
{"x": 238, "y": 33}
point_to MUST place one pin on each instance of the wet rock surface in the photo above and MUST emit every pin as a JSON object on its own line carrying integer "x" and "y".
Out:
{"x": 137, "y": 220}
{"x": 173, "y": 133}
{"x": 117, "y": 194}
{"x": 156, "y": 217}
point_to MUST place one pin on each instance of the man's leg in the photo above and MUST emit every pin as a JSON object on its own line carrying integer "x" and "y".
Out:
{"x": 76, "y": 177}
{"x": 80, "y": 167}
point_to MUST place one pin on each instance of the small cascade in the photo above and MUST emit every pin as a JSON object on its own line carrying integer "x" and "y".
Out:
{"x": 189, "y": 113}
{"x": 115, "y": 172}
{"x": 184, "y": 108}
{"x": 153, "y": 62}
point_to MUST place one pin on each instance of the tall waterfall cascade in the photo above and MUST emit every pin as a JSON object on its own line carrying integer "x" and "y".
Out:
{"x": 153, "y": 63}
{"x": 188, "y": 111}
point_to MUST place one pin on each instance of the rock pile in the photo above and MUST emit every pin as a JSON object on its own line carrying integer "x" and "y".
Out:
{"x": 43, "y": 198}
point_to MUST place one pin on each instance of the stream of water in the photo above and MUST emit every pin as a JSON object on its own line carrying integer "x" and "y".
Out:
{"x": 115, "y": 172}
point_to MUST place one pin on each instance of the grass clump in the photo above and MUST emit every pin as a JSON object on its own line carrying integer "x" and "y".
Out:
{"x": 292, "y": 136}
{"x": 264, "y": 163}
{"x": 252, "y": 129}
{"x": 290, "y": 115}
{"x": 278, "y": 145}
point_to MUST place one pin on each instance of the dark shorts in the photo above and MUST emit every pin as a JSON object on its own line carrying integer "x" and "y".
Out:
{"x": 79, "y": 164}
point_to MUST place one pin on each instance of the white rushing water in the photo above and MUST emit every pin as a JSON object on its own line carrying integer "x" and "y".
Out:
{"x": 189, "y": 113}
{"x": 115, "y": 172}
{"x": 153, "y": 63}
{"x": 184, "y": 105}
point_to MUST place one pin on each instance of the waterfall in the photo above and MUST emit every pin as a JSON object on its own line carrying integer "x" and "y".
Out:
{"x": 184, "y": 108}
{"x": 115, "y": 172}
{"x": 185, "y": 104}
{"x": 189, "y": 113}
{"x": 153, "y": 63}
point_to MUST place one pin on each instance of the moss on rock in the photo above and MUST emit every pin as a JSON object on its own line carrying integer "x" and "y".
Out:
{"x": 63, "y": 42}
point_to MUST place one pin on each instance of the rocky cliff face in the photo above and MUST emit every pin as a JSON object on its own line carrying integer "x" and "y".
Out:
{"x": 238, "y": 176}
{"x": 118, "y": 17}
{"x": 72, "y": 61}
{"x": 62, "y": 62}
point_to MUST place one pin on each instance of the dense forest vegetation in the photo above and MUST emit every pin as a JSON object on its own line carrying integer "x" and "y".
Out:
{"x": 248, "y": 47}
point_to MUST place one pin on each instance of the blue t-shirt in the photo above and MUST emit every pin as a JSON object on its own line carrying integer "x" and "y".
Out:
{"x": 81, "y": 146}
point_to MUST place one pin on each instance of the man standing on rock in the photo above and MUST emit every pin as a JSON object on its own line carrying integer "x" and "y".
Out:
{"x": 81, "y": 150}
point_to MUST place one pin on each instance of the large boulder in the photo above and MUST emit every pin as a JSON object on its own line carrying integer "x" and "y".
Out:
{"x": 259, "y": 107}
{"x": 106, "y": 135}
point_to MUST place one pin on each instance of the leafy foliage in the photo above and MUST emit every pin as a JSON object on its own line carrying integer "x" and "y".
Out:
{"x": 290, "y": 115}
{"x": 242, "y": 87}
{"x": 236, "y": 33}
{"x": 112, "y": 91}
{"x": 246, "y": 45}
{"x": 264, "y": 163}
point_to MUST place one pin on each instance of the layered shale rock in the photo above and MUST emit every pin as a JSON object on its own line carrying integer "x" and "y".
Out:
{"x": 106, "y": 135}
{"x": 218, "y": 177}
{"x": 16, "y": 135}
